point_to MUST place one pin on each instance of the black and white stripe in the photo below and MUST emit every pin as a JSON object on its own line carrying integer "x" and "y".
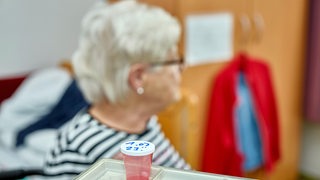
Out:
{"x": 85, "y": 140}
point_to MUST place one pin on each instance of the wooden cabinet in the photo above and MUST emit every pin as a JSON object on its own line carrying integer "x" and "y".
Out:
{"x": 283, "y": 46}
{"x": 273, "y": 30}
{"x": 198, "y": 78}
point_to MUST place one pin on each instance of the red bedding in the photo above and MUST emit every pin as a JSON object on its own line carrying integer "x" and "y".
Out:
{"x": 9, "y": 85}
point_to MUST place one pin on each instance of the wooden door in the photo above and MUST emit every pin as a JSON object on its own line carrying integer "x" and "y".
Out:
{"x": 281, "y": 42}
{"x": 198, "y": 79}
{"x": 277, "y": 33}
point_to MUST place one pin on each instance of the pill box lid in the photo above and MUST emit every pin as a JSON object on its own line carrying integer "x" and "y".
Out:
{"x": 137, "y": 148}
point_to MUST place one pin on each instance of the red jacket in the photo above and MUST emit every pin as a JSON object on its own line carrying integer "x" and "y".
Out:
{"x": 221, "y": 154}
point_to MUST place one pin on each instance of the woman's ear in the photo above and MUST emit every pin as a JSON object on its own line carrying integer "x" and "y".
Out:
{"x": 136, "y": 76}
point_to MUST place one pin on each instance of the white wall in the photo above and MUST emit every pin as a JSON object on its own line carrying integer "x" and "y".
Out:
{"x": 310, "y": 149}
{"x": 38, "y": 33}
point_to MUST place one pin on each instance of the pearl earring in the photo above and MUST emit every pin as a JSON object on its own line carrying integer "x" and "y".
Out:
{"x": 140, "y": 90}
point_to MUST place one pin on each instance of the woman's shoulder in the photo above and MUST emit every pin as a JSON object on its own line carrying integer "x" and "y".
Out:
{"x": 153, "y": 122}
{"x": 82, "y": 120}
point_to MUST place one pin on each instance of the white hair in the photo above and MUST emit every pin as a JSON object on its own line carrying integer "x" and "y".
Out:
{"x": 113, "y": 37}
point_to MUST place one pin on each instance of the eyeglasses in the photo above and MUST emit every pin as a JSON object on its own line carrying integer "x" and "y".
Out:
{"x": 169, "y": 63}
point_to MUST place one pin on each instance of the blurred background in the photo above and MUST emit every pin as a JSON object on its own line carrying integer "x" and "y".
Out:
{"x": 38, "y": 34}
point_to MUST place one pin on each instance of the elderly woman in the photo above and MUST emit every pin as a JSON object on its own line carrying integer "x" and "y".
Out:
{"x": 128, "y": 68}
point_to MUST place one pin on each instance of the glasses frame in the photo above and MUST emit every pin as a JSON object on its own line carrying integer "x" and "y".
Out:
{"x": 169, "y": 63}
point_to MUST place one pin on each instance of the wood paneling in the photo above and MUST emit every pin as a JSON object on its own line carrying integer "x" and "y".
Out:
{"x": 281, "y": 42}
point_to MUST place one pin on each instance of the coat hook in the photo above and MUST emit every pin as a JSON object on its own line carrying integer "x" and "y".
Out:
{"x": 245, "y": 30}
{"x": 259, "y": 26}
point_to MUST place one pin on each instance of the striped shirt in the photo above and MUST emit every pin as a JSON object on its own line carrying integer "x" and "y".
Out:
{"x": 85, "y": 140}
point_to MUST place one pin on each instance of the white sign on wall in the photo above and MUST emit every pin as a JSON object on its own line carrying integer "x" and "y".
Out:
{"x": 208, "y": 38}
